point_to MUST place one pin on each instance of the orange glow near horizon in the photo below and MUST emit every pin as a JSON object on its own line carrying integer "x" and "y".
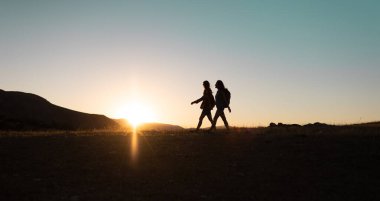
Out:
{"x": 136, "y": 112}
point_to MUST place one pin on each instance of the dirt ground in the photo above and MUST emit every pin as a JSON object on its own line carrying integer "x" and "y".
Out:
{"x": 270, "y": 164}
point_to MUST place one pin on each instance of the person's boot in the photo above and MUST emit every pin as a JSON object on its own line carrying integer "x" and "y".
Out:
{"x": 212, "y": 128}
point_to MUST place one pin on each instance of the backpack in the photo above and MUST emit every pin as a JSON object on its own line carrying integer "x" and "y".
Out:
{"x": 212, "y": 102}
{"x": 227, "y": 95}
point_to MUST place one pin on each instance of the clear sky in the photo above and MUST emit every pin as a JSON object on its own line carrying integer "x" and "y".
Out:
{"x": 283, "y": 61}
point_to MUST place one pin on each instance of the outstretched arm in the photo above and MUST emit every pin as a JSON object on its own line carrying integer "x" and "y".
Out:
{"x": 197, "y": 101}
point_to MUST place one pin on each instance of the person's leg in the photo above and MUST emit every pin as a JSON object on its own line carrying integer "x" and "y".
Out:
{"x": 200, "y": 120}
{"x": 209, "y": 117}
{"x": 223, "y": 116}
{"x": 217, "y": 114}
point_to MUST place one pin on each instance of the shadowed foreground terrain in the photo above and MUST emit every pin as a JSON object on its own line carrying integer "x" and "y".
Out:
{"x": 246, "y": 164}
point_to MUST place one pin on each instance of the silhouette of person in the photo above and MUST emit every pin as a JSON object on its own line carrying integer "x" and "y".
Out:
{"x": 208, "y": 103}
{"x": 221, "y": 103}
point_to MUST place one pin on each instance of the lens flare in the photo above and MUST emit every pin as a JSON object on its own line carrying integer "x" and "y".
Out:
{"x": 134, "y": 145}
{"x": 137, "y": 112}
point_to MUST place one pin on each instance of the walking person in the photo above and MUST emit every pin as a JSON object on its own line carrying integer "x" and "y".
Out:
{"x": 222, "y": 99}
{"x": 208, "y": 103}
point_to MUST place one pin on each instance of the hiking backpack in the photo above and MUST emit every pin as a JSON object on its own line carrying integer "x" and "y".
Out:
{"x": 212, "y": 102}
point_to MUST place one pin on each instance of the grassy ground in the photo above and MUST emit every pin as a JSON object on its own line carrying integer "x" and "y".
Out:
{"x": 339, "y": 163}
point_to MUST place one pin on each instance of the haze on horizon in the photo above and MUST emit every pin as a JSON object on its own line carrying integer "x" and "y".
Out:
{"x": 290, "y": 62}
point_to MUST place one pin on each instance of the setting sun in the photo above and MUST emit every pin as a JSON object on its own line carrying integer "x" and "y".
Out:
{"x": 137, "y": 113}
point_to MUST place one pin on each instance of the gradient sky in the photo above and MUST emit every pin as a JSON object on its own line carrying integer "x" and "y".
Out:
{"x": 283, "y": 61}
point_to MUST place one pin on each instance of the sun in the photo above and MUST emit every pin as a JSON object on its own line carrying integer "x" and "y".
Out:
{"x": 137, "y": 113}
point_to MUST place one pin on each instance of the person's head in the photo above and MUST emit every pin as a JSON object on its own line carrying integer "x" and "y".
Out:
{"x": 206, "y": 84}
{"x": 219, "y": 84}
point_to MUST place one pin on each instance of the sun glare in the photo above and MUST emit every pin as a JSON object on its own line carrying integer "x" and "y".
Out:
{"x": 137, "y": 113}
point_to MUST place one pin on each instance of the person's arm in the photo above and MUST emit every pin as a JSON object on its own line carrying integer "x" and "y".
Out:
{"x": 198, "y": 100}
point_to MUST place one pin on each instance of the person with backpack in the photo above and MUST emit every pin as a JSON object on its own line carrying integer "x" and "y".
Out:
{"x": 222, "y": 99}
{"x": 208, "y": 103}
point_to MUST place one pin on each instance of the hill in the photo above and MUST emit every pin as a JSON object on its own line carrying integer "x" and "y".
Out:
{"x": 149, "y": 126}
{"x": 25, "y": 111}
{"x": 159, "y": 127}
{"x": 369, "y": 124}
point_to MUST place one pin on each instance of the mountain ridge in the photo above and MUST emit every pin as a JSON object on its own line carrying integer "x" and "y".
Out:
{"x": 27, "y": 111}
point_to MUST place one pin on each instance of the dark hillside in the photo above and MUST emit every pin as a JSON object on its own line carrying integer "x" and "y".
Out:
{"x": 25, "y": 111}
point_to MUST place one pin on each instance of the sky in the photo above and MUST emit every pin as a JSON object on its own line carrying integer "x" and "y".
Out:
{"x": 295, "y": 61}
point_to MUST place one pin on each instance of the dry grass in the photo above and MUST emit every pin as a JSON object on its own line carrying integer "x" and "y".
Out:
{"x": 329, "y": 163}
